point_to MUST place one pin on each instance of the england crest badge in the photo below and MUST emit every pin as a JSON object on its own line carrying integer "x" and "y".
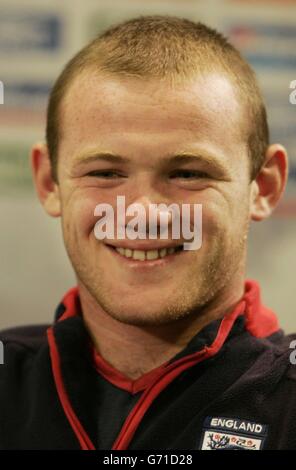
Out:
{"x": 220, "y": 433}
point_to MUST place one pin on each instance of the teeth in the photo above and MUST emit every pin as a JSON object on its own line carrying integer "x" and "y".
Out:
{"x": 142, "y": 255}
{"x": 128, "y": 253}
{"x": 138, "y": 254}
{"x": 152, "y": 254}
{"x": 163, "y": 252}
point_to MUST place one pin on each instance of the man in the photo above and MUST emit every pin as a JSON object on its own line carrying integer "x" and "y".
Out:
{"x": 157, "y": 347}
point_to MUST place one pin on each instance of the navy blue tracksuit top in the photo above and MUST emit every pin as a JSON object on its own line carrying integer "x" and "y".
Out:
{"x": 232, "y": 387}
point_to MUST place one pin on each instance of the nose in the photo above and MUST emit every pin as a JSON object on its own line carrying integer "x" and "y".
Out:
{"x": 150, "y": 202}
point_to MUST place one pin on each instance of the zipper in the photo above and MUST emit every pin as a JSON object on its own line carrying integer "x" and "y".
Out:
{"x": 170, "y": 373}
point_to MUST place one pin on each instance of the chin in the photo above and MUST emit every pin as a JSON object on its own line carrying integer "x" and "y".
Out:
{"x": 145, "y": 320}
{"x": 145, "y": 314}
{"x": 135, "y": 315}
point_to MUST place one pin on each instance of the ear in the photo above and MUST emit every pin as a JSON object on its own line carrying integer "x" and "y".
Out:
{"x": 47, "y": 189}
{"x": 270, "y": 183}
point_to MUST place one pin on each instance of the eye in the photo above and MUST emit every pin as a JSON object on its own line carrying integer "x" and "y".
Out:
{"x": 107, "y": 174}
{"x": 189, "y": 174}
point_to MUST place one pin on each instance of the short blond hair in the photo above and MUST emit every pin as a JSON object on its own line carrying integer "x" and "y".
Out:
{"x": 166, "y": 48}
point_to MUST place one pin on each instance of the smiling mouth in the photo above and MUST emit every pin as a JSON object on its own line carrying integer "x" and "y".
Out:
{"x": 147, "y": 255}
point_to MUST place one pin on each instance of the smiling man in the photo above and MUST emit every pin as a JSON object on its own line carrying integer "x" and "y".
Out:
{"x": 158, "y": 346}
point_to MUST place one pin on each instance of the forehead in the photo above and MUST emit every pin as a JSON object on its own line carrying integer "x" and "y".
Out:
{"x": 148, "y": 113}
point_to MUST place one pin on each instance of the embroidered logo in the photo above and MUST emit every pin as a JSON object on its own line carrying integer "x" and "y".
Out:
{"x": 232, "y": 434}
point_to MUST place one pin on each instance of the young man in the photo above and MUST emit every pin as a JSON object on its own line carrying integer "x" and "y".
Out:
{"x": 157, "y": 347}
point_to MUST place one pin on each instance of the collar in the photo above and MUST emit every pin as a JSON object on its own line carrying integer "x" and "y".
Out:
{"x": 249, "y": 314}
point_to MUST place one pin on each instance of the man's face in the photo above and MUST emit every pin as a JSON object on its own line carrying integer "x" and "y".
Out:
{"x": 147, "y": 123}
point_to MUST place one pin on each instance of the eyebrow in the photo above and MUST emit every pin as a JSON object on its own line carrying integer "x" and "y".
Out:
{"x": 207, "y": 159}
{"x": 183, "y": 157}
{"x": 104, "y": 156}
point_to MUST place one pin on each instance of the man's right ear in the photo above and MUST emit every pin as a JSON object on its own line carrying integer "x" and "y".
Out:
{"x": 47, "y": 189}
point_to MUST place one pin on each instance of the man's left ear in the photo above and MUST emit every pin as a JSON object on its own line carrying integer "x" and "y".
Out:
{"x": 269, "y": 185}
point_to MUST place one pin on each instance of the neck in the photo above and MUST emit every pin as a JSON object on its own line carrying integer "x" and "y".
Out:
{"x": 136, "y": 350}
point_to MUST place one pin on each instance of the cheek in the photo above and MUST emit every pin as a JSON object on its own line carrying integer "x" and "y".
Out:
{"x": 78, "y": 214}
{"x": 214, "y": 218}
{"x": 224, "y": 220}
